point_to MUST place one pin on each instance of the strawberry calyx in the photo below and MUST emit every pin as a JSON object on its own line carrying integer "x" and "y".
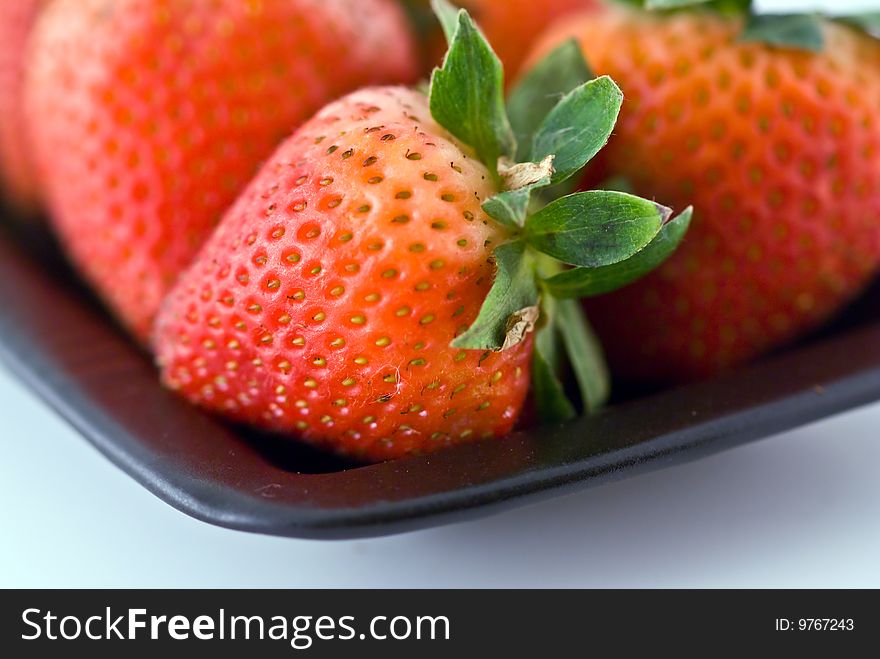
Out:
{"x": 720, "y": 6}
{"x": 802, "y": 31}
{"x": 867, "y": 22}
{"x": 559, "y": 245}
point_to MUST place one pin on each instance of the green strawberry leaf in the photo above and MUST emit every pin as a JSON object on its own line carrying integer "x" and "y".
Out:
{"x": 510, "y": 310}
{"x": 467, "y": 92}
{"x": 801, "y": 31}
{"x": 589, "y": 282}
{"x": 595, "y": 228}
{"x": 567, "y": 332}
{"x": 542, "y": 88}
{"x": 578, "y": 127}
{"x": 447, "y": 14}
{"x": 511, "y": 207}
{"x": 553, "y": 406}
{"x": 869, "y": 22}
{"x": 585, "y": 354}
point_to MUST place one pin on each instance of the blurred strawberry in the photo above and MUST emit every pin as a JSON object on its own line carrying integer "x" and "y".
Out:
{"x": 149, "y": 116}
{"x": 17, "y": 17}
{"x": 777, "y": 146}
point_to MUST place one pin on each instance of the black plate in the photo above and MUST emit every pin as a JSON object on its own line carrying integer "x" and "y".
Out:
{"x": 54, "y": 336}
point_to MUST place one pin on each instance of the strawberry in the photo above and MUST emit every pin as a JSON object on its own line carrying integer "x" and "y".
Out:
{"x": 327, "y": 297}
{"x": 377, "y": 287}
{"x": 776, "y": 145}
{"x": 17, "y": 17}
{"x": 510, "y": 25}
{"x": 149, "y": 117}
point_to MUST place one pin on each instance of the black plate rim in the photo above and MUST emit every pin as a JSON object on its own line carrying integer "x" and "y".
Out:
{"x": 228, "y": 509}
{"x": 681, "y": 424}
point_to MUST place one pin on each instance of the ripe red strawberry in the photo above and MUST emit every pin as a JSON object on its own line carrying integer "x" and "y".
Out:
{"x": 376, "y": 287}
{"x": 510, "y": 25}
{"x": 777, "y": 148}
{"x": 326, "y": 301}
{"x": 150, "y": 116}
{"x": 17, "y": 17}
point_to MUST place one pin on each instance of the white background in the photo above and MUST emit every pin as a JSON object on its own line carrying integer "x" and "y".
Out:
{"x": 797, "y": 510}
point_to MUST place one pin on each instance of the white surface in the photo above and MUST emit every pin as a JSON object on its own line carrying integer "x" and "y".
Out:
{"x": 798, "y": 510}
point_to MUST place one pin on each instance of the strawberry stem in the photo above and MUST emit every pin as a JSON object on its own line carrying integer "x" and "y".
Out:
{"x": 562, "y": 118}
